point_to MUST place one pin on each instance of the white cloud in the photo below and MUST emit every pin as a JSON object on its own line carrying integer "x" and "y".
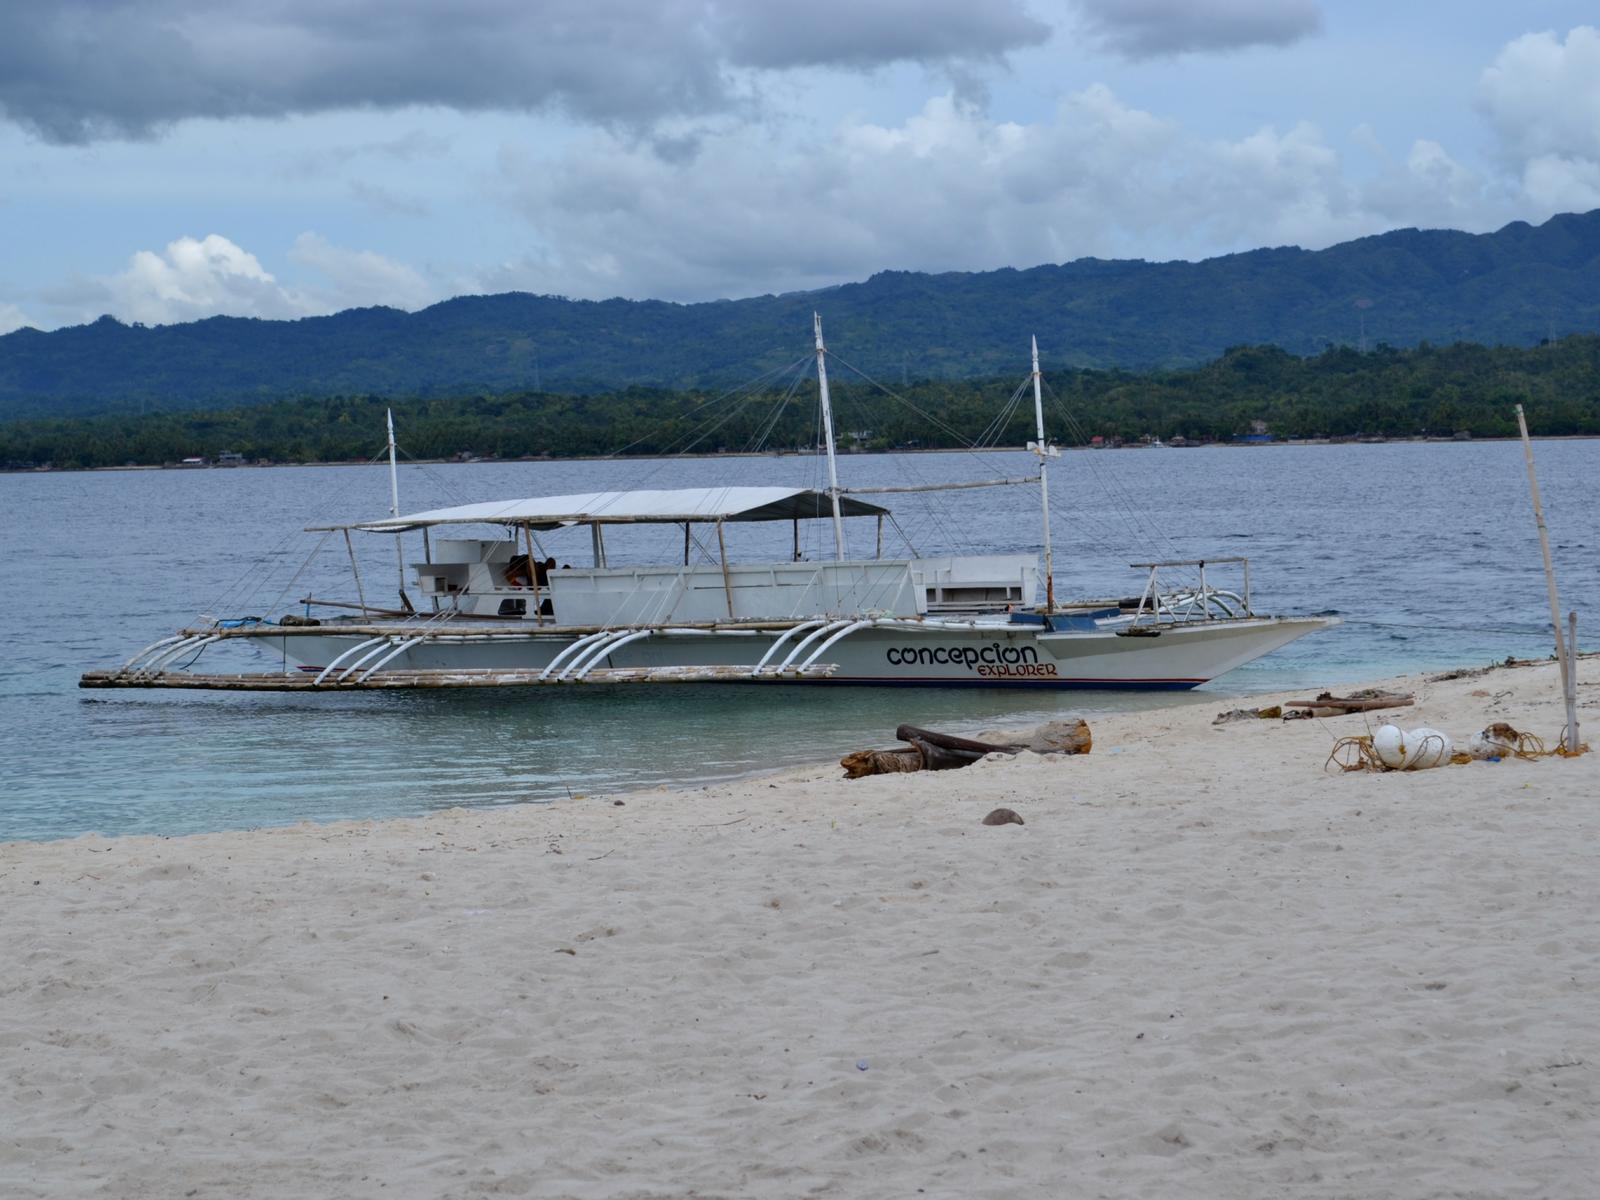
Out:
{"x": 736, "y": 207}
{"x": 1557, "y": 184}
{"x": 195, "y": 278}
{"x": 12, "y": 318}
{"x": 1158, "y": 28}
{"x": 1541, "y": 96}
{"x": 360, "y": 277}
{"x": 1431, "y": 189}
{"x": 948, "y": 189}
{"x": 1270, "y": 188}
{"x": 84, "y": 70}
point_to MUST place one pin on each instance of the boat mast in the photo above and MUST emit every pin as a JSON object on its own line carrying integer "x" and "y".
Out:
{"x": 827, "y": 432}
{"x": 1045, "y": 451}
{"x": 394, "y": 506}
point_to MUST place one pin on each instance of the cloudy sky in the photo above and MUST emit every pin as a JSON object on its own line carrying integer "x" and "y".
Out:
{"x": 164, "y": 160}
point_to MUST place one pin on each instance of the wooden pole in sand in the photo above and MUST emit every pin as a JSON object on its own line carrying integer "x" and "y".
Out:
{"x": 1567, "y": 692}
{"x": 1572, "y": 681}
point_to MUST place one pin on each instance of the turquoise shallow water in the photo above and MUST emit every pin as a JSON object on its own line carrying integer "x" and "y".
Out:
{"x": 1429, "y": 550}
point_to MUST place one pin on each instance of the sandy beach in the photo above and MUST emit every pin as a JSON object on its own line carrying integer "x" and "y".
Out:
{"x": 1204, "y": 967}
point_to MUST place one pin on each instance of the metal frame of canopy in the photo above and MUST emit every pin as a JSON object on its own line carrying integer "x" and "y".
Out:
{"x": 682, "y": 506}
{"x": 674, "y": 506}
{"x": 679, "y": 506}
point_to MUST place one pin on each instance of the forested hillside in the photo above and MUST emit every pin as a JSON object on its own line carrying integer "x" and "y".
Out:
{"x": 1342, "y": 392}
{"x": 1514, "y": 287}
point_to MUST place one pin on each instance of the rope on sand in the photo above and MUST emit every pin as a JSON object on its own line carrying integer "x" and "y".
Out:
{"x": 1356, "y": 753}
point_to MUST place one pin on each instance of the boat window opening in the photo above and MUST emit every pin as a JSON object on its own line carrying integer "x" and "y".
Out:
{"x": 518, "y": 573}
{"x": 514, "y": 608}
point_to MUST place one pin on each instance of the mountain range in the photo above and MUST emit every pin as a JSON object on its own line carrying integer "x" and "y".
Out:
{"x": 1516, "y": 286}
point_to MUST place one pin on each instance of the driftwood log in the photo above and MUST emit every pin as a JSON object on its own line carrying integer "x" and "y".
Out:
{"x": 1327, "y": 705}
{"x": 881, "y": 762}
{"x": 928, "y": 750}
{"x": 1273, "y": 713}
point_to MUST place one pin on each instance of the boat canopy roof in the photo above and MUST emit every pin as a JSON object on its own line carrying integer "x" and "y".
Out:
{"x": 606, "y": 508}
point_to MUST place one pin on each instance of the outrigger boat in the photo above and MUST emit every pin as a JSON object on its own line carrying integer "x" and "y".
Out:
{"x": 500, "y": 613}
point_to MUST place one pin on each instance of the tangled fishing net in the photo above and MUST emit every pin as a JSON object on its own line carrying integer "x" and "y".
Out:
{"x": 1500, "y": 740}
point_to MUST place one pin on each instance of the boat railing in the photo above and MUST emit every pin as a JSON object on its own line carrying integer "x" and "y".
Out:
{"x": 1191, "y": 601}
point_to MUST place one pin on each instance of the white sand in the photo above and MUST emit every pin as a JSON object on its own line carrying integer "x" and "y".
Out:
{"x": 1203, "y": 968}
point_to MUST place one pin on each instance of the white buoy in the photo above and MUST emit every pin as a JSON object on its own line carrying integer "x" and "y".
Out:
{"x": 1489, "y": 744}
{"x": 1390, "y": 745}
{"x": 1427, "y": 748}
{"x": 1414, "y": 750}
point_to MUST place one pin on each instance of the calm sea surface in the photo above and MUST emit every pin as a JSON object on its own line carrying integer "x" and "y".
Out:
{"x": 1428, "y": 550}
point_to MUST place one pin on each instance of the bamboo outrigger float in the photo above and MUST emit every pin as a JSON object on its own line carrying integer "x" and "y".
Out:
{"x": 384, "y": 680}
{"x": 498, "y": 612}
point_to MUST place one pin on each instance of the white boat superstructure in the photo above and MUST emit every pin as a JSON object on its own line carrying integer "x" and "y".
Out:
{"x": 498, "y": 610}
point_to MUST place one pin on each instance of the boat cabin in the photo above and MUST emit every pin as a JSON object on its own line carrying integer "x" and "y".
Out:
{"x": 515, "y": 577}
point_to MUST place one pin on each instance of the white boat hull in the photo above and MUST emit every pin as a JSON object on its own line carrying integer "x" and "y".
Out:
{"x": 905, "y": 653}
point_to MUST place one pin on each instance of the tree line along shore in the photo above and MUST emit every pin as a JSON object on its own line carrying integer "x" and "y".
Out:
{"x": 1463, "y": 390}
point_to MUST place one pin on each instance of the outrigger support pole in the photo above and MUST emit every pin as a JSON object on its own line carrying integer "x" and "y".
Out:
{"x": 1046, "y": 452}
{"x": 827, "y": 433}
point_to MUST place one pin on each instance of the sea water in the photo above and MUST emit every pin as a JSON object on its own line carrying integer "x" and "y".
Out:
{"x": 1429, "y": 550}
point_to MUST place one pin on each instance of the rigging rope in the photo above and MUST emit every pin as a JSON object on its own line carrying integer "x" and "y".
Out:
{"x": 1139, "y": 526}
{"x": 933, "y": 506}
{"x": 962, "y": 443}
{"x": 258, "y": 571}
{"x": 749, "y": 386}
{"x": 759, "y": 440}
